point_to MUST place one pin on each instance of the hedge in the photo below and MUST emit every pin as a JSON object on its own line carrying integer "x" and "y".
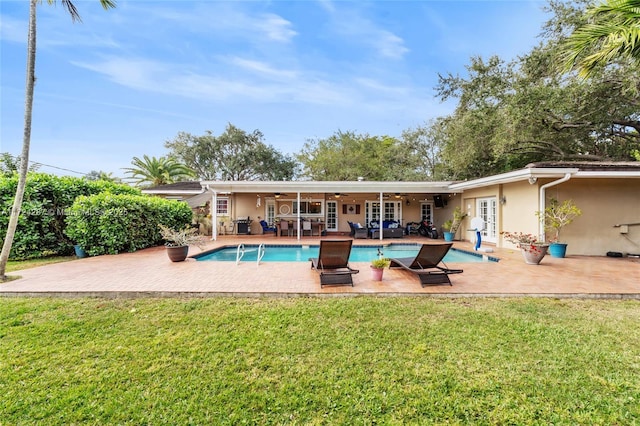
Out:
{"x": 111, "y": 224}
{"x": 47, "y": 198}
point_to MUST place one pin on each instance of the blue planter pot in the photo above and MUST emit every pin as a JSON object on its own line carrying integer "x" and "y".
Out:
{"x": 80, "y": 253}
{"x": 448, "y": 236}
{"x": 558, "y": 249}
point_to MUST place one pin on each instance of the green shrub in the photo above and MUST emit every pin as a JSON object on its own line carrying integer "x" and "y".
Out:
{"x": 111, "y": 224}
{"x": 47, "y": 198}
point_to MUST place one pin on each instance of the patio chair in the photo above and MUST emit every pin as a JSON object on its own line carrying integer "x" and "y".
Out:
{"x": 333, "y": 263}
{"x": 357, "y": 231}
{"x": 426, "y": 264}
{"x": 284, "y": 227}
{"x": 306, "y": 226}
{"x": 266, "y": 228}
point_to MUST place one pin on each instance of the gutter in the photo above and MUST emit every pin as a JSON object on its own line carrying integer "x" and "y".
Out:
{"x": 543, "y": 201}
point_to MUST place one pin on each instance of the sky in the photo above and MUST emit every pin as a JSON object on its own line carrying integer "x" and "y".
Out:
{"x": 124, "y": 81}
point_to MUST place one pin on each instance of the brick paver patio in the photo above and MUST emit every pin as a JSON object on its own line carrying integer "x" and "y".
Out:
{"x": 149, "y": 273}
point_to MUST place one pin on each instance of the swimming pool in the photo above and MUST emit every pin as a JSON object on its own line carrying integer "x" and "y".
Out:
{"x": 302, "y": 253}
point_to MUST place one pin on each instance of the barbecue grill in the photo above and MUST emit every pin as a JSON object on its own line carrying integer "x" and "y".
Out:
{"x": 243, "y": 225}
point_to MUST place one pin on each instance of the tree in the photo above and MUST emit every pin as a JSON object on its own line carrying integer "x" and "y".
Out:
{"x": 348, "y": 156}
{"x": 612, "y": 31}
{"x": 426, "y": 143}
{"x": 234, "y": 155}
{"x": 26, "y": 141}
{"x": 152, "y": 171}
{"x": 101, "y": 175}
{"x": 528, "y": 110}
{"x": 10, "y": 164}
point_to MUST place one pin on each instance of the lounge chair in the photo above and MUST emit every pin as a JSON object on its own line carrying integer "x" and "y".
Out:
{"x": 425, "y": 264}
{"x": 333, "y": 263}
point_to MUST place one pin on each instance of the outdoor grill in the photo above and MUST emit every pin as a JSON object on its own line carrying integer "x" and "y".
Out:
{"x": 243, "y": 225}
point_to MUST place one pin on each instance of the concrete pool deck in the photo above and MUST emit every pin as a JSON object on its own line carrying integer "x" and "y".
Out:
{"x": 149, "y": 273}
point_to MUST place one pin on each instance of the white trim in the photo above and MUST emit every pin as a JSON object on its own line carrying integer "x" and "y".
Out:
{"x": 328, "y": 186}
{"x": 514, "y": 176}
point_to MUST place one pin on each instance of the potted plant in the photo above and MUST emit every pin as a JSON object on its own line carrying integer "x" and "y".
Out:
{"x": 451, "y": 226}
{"x": 178, "y": 241}
{"x": 446, "y": 230}
{"x": 377, "y": 267}
{"x": 532, "y": 249}
{"x": 555, "y": 217}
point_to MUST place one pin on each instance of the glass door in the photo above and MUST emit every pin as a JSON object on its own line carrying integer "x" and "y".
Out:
{"x": 487, "y": 208}
{"x": 332, "y": 216}
{"x": 270, "y": 215}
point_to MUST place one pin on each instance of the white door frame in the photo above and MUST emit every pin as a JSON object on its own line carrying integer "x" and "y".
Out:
{"x": 487, "y": 209}
{"x": 328, "y": 210}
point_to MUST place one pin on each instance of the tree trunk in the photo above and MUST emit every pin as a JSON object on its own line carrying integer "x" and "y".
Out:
{"x": 26, "y": 142}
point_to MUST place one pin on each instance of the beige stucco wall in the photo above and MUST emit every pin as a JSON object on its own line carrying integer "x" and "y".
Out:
{"x": 516, "y": 214}
{"x": 604, "y": 203}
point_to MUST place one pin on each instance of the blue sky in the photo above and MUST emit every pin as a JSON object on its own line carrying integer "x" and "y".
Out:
{"x": 124, "y": 81}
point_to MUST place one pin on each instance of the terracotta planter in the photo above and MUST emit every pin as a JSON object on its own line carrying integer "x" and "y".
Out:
{"x": 533, "y": 254}
{"x": 377, "y": 273}
{"x": 178, "y": 253}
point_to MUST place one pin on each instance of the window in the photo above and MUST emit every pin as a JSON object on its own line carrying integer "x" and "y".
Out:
{"x": 426, "y": 210}
{"x": 308, "y": 207}
{"x": 392, "y": 211}
{"x": 223, "y": 206}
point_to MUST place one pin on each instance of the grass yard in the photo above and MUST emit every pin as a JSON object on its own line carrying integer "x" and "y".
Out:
{"x": 362, "y": 360}
{"x": 17, "y": 265}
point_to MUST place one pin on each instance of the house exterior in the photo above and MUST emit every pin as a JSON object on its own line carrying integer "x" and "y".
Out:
{"x": 607, "y": 193}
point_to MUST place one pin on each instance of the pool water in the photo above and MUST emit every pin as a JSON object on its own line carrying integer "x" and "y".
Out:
{"x": 298, "y": 253}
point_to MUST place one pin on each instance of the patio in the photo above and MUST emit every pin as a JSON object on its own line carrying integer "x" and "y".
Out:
{"x": 149, "y": 273}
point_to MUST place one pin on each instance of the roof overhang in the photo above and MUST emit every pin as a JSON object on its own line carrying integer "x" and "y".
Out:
{"x": 361, "y": 187}
{"x": 188, "y": 192}
{"x": 531, "y": 175}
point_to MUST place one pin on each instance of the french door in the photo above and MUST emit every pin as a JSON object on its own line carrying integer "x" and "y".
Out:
{"x": 487, "y": 210}
{"x": 332, "y": 216}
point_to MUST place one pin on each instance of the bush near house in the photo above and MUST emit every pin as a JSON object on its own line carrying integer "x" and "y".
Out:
{"x": 46, "y": 202}
{"x": 111, "y": 224}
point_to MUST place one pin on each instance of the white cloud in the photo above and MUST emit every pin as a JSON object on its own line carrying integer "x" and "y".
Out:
{"x": 262, "y": 68}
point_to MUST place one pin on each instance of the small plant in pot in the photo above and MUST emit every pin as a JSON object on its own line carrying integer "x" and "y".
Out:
{"x": 178, "y": 241}
{"x": 446, "y": 230}
{"x": 532, "y": 249}
{"x": 377, "y": 267}
{"x": 451, "y": 226}
{"x": 555, "y": 217}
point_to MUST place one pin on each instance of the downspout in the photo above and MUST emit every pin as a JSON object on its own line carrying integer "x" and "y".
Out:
{"x": 542, "y": 202}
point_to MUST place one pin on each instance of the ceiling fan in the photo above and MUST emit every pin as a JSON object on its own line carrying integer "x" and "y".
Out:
{"x": 279, "y": 194}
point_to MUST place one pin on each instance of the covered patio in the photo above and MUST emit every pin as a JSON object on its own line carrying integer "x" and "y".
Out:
{"x": 328, "y": 207}
{"x": 149, "y": 273}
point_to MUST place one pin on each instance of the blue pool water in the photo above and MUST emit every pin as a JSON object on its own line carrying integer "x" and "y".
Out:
{"x": 298, "y": 253}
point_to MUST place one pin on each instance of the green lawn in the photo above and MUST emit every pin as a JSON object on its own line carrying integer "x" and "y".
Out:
{"x": 356, "y": 360}
{"x": 16, "y": 265}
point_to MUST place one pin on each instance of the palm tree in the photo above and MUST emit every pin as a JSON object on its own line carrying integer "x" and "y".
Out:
{"x": 152, "y": 171}
{"x": 612, "y": 31}
{"x": 26, "y": 140}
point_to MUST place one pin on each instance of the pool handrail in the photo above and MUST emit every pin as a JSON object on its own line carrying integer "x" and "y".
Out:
{"x": 261, "y": 251}
{"x": 239, "y": 252}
